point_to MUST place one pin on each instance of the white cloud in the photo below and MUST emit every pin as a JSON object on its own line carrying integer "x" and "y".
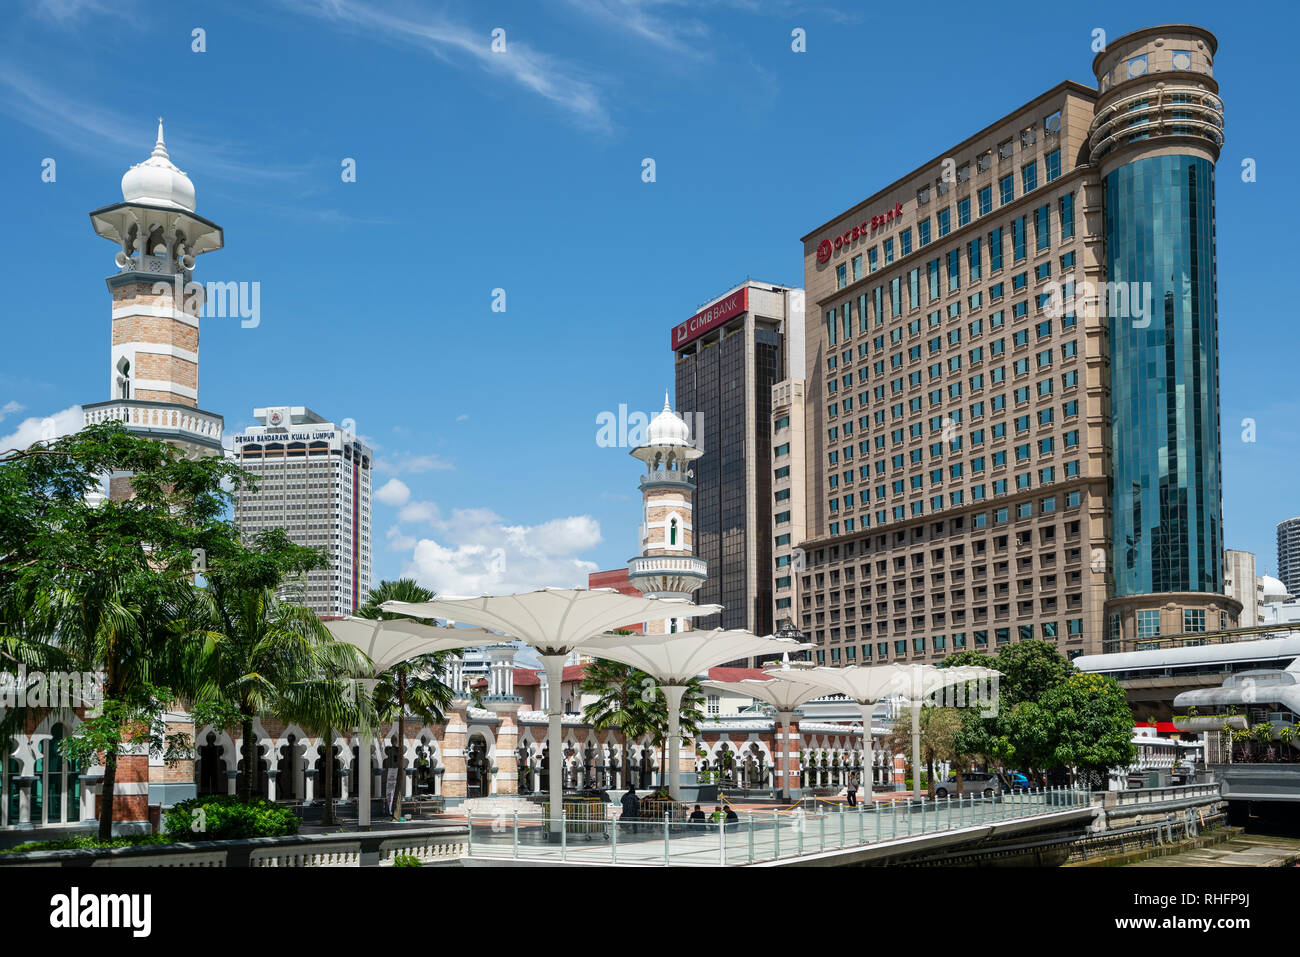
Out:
{"x": 89, "y": 128}
{"x": 10, "y": 408}
{"x": 63, "y": 10}
{"x": 412, "y": 463}
{"x": 561, "y": 83}
{"x": 476, "y": 553}
{"x": 399, "y": 541}
{"x": 419, "y": 512}
{"x": 462, "y": 417}
{"x": 394, "y": 492}
{"x": 42, "y": 428}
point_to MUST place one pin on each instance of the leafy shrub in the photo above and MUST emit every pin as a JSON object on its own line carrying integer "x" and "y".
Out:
{"x": 407, "y": 860}
{"x": 225, "y": 817}
{"x": 88, "y": 842}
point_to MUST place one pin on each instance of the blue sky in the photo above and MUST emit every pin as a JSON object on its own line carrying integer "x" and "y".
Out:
{"x": 521, "y": 171}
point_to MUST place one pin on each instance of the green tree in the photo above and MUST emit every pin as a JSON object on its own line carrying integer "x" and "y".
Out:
{"x": 940, "y": 736}
{"x": 258, "y": 647}
{"x": 102, "y": 581}
{"x": 409, "y": 687}
{"x": 1090, "y": 726}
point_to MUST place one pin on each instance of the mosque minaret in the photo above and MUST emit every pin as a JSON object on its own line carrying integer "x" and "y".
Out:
{"x": 666, "y": 567}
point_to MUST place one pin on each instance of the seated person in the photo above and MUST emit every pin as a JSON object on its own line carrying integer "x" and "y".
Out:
{"x": 697, "y": 816}
{"x": 731, "y": 817}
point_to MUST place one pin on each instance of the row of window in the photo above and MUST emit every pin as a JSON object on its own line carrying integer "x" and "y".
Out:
{"x": 956, "y": 499}
{"x": 922, "y": 644}
{"x": 981, "y": 204}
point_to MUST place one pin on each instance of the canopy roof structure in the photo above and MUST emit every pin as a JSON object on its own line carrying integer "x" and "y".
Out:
{"x": 785, "y": 693}
{"x": 390, "y": 642}
{"x": 675, "y": 659}
{"x": 867, "y": 684}
{"x": 555, "y": 621}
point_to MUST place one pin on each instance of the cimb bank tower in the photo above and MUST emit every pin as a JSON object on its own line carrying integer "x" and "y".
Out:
{"x": 1012, "y": 401}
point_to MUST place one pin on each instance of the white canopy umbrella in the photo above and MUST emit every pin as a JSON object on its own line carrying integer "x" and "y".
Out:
{"x": 555, "y": 621}
{"x": 387, "y": 643}
{"x": 925, "y": 681}
{"x": 867, "y": 684}
{"x": 864, "y": 685}
{"x": 785, "y": 693}
{"x": 674, "y": 659}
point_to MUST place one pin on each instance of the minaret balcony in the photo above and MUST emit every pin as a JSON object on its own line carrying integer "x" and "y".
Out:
{"x": 164, "y": 421}
{"x": 667, "y": 478}
{"x": 668, "y": 566}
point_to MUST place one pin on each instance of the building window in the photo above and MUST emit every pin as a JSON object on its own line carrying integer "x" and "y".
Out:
{"x": 1148, "y": 623}
{"x": 714, "y": 704}
{"x": 1053, "y": 165}
{"x": 1193, "y": 620}
{"x": 1029, "y": 177}
{"x": 1006, "y": 189}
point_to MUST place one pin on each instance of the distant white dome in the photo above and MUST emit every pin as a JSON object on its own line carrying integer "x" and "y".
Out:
{"x": 157, "y": 181}
{"x": 1274, "y": 590}
{"x": 668, "y": 428}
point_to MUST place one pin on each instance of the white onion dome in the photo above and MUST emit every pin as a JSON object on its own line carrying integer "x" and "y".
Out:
{"x": 157, "y": 181}
{"x": 1274, "y": 590}
{"x": 668, "y": 428}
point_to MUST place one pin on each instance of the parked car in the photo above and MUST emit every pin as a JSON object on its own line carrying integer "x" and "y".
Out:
{"x": 986, "y": 783}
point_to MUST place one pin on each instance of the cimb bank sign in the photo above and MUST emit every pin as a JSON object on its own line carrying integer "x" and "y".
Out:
{"x": 721, "y": 311}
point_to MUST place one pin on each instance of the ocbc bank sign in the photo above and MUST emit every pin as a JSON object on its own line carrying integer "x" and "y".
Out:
{"x": 866, "y": 228}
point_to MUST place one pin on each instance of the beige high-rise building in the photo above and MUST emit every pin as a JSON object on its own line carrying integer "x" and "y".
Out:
{"x": 789, "y": 500}
{"x": 974, "y": 387}
{"x": 1242, "y": 583}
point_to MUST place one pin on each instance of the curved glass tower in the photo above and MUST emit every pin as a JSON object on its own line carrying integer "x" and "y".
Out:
{"x": 1164, "y": 399}
{"x": 1156, "y": 136}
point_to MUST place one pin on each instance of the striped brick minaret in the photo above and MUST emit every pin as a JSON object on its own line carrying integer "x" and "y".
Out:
{"x": 667, "y": 567}
{"x": 154, "y": 383}
{"x": 153, "y": 368}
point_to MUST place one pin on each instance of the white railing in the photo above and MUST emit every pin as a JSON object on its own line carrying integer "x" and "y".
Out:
{"x": 753, "y": 836}
{"x": 156, "y": 415}
{"x": 659, "y": 564}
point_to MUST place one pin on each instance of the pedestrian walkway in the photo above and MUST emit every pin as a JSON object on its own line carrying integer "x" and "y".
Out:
{"x": 758, "y": 836}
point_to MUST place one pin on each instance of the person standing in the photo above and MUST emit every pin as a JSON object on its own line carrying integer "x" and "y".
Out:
{"x": 631, "y": 808}
{"x": 853, "y": 790}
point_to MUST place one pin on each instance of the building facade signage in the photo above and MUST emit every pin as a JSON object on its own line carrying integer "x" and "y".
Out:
{"x": 867, "y": 227}
{"x": 718, "y": 313}
{"x": 286, "y": 437}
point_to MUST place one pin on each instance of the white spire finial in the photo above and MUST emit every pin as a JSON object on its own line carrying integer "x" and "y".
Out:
{"x": 667, "y": 407}
{"x": 160, "y": 148}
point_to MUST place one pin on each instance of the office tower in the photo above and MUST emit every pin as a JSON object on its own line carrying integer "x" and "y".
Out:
{"x": 970, "y": 359}
{"x": 314, "y": 482}
{"x": 729, "y": 355}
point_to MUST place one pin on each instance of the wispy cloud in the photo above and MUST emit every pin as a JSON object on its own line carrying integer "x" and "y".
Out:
{"x": 89, "y": 128}
{"x": 64, "y": 11}
{"x": 405, "y": 462}
{"x": 562, "y": 83}
{"x": 675, "y": 31}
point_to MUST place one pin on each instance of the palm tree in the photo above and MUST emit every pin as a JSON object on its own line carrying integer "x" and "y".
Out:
{"x": 124, "y": 624}
{"x": 411, "y": 687}
{"x": 620, "y": 704}
{"x": 631, "y": 702}
{"x": 256, "y": 647}
{"x": 322, "y": 705}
